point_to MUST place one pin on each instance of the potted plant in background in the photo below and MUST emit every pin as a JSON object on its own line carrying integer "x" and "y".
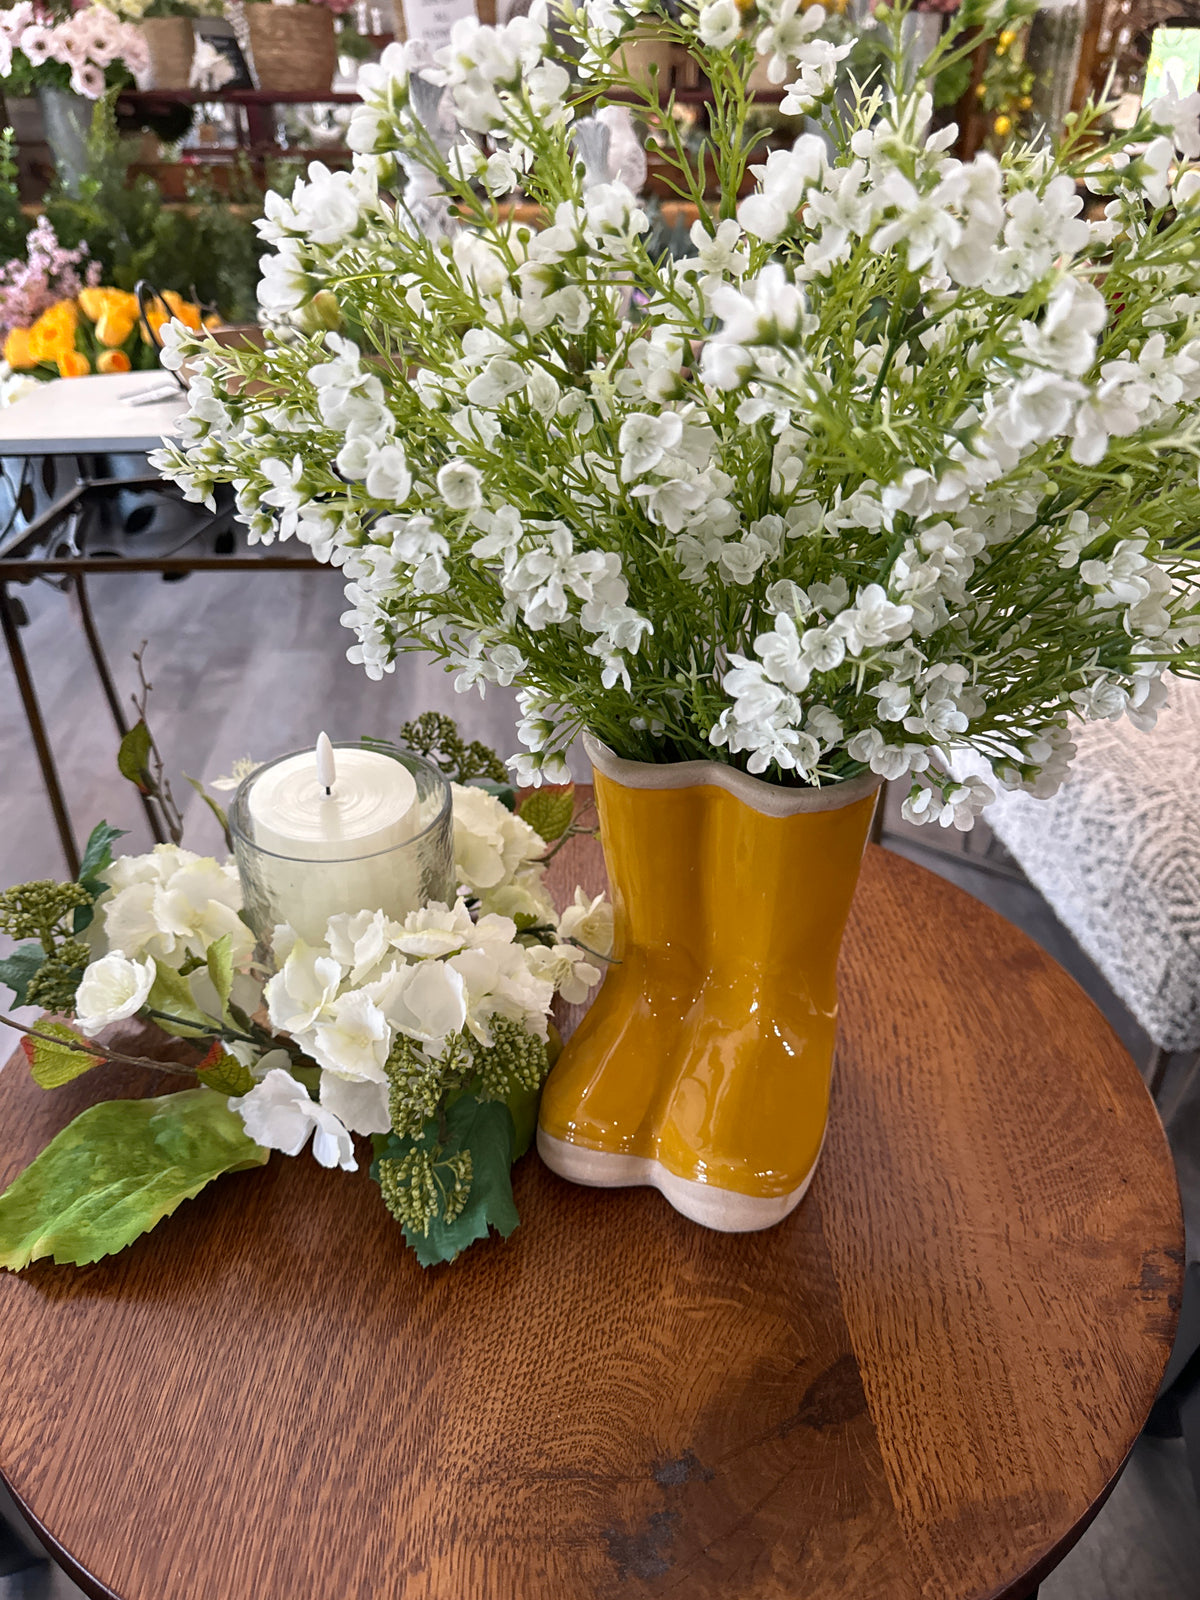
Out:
{"x": 294, "y": 46}
{"x": 68, "y": 62}
{"x": 901, "y": 460}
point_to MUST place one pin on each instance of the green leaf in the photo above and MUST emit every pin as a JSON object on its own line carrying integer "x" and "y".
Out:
{"x": 217, "y": 811}
{"x": 52, "y": 1065}
{"x": 19, "y": 969}
{"x": 115, "y": 1171}
{"x": 134, "y": 754}
{"x": 486, "y": 1129}
{"x": 225, "y": 1073}
{"x": 549, "y": 811}
{"x": 220, "y": 967}
{"x": 98, "y": 854}
{"x": 523, "y": 1108}
{"x": 178, "y": 1013}
{"x": 96, "y": 859}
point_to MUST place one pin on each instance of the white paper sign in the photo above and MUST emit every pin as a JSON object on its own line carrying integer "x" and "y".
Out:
{"x": 430, "y": 21}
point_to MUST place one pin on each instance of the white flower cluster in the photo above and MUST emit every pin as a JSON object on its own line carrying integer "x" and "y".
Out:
{"x": 895, "y": 463}
{"x": 343, "y": 1003}
{"x": 171, "y": 904}
{"x": 429, "y": 978}
{"x": 88, "y": 43}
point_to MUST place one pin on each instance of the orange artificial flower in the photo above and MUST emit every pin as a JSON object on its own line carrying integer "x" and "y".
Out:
{"x": 16, "y": 350}
{"x": 187, "y": 313}
{"x": 113, "y": 361}
{"x": 71, "y": 364}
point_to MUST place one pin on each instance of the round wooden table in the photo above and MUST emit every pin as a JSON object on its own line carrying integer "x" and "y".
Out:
{"x": 922, "y": 1384}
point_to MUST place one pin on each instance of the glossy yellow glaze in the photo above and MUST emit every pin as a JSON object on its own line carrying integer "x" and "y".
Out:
{"x": 709, "y": 1046}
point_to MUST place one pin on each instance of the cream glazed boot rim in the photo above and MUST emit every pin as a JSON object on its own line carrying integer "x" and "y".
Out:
{"x": 769, "y": 799}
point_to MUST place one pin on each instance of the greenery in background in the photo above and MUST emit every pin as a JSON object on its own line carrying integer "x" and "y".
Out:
{"x": 207, "y": 249}
{"x": 14, "y": 224}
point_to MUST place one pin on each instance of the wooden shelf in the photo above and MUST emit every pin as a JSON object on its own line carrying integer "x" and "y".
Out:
{"x": 147, "y": 99}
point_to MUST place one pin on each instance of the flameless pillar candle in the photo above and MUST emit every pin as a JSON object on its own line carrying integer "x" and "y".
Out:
{"x": 326, "y": 821}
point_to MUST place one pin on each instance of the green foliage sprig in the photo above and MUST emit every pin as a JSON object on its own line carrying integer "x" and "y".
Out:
{"x": 425, "y": 1175}
{"x": 14, "y": 224}
{"x": 436, "y": 737}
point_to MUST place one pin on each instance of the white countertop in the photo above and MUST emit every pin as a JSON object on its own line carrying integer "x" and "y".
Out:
{"x": 81, "y": 416}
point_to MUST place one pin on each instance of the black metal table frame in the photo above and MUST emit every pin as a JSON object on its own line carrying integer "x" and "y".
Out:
{"x": 21, "y": 562}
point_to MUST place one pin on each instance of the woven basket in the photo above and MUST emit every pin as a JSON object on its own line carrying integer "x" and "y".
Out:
{"x": 294, "y": 47}
{"x": 171, "y": 44}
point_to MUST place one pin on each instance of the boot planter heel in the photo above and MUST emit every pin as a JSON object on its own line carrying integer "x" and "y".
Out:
{"x": 703, "y": 1066}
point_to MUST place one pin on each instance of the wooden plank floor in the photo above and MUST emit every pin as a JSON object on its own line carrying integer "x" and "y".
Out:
{"x": 254, "y": 664}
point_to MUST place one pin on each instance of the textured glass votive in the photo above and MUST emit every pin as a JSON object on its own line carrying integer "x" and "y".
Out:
{"x": 380, "y": 839}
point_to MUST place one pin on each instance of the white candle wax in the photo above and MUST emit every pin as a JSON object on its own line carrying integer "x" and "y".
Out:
{"x": 328, "y": 842}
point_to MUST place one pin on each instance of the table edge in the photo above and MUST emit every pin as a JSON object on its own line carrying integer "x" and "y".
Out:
{"x": 79, "y": 1575}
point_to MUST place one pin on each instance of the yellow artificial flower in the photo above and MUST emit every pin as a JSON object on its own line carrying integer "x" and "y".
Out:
{"x": 1026, "y": 102}
{"x": 183, "y": 309}
{"x": 114, "y": 327}
{"x": 113, "y": 361}
{"x": 114, "y": 312}
{"x": 1002, "y": 127}
{"x": 53, "y": 334}
{"x": 1007, "y": 39}
{"x": 95, "y": 302}
{"x": 73, "y": 364}
{"x": 92, "y": 303}
{"x": 16, "y": 350}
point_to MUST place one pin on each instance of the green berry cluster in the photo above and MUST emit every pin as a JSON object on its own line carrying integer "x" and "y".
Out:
{"x": 54, "y": 984}
{"x": 436, "y": 737}
{"x": 424, "y": 1185}
{"x": 515, "y": 1060}
{"x": 417, "y": 1084}
{"x": 36, "y": 910}
{"x": 45, "y": 911}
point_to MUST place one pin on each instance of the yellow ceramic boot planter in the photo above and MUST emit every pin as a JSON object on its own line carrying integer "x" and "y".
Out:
{"x": 703, "y": 1066}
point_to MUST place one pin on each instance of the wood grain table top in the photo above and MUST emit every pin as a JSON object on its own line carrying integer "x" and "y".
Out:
{"x": 921, "y": 1384}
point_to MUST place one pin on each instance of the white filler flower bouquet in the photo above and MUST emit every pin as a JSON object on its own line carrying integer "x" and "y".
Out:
{"x": 431, "y": 1035}
{"x": 902, "y": 459}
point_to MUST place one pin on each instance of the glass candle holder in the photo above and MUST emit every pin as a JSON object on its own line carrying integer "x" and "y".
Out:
{"x": 375, "y": 841}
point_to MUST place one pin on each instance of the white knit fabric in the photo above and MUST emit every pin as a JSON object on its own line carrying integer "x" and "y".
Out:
{"x": 1116, "y": 853}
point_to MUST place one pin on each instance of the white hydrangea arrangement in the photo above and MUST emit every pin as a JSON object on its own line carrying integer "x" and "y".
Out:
{"x": 431, "y": 1035}
{"x": 902, "y": 460}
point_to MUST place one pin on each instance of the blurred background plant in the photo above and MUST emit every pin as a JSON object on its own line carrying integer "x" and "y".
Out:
{"x": 206, "y": 249}
{"x": 14, "y": 224}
